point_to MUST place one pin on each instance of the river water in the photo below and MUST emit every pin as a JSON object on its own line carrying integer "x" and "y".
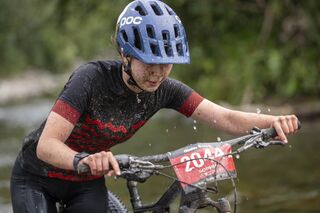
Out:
{"x": 277, "y": 179}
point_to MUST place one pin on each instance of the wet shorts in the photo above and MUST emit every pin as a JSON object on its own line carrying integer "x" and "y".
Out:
{"x": 35, "y": 194}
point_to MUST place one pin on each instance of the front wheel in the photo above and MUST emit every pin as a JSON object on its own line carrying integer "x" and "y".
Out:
{"x": 115, "y": 205}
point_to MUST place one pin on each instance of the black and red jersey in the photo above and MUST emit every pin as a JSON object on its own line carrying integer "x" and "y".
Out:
{"x": 105, "y": 112}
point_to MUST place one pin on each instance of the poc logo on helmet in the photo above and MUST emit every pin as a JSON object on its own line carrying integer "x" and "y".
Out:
{"x": 130, "y": 20}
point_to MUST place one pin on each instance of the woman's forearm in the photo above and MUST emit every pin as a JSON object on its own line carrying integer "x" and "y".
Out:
{"x": 238, "y": 122}
{"x": 51, "y": 147}
{"x": 56, "y": 153}
{"x": 241, "y": 122}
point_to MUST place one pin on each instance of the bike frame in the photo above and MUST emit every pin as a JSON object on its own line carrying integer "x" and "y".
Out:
{"x": 162, "y": 205}
{"x": 189, "y": 203}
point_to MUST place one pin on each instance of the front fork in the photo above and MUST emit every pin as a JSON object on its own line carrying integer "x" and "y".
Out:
{"x": 198, "y": 199}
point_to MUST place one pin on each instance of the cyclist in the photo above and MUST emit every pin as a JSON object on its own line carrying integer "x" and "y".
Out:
{"x": 105, "y": 102}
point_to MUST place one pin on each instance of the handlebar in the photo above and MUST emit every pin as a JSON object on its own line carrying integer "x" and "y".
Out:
{"x": 139, "y": 169}
{"x": 258, "y": 138}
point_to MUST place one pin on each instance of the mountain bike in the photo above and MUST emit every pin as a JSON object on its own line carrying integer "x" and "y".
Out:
{"x": 198, "y": 169}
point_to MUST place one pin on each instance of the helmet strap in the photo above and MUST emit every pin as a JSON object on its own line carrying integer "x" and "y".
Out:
{"x": 128, "y": 70}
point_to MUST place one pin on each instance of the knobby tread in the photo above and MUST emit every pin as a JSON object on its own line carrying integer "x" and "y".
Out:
{"x": 115, "y": 205}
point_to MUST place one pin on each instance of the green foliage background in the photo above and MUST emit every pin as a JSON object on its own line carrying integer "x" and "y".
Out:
{"x": 241, "y": 51}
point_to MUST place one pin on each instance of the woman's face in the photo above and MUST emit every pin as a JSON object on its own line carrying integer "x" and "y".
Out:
{"x": 149, "y": 76}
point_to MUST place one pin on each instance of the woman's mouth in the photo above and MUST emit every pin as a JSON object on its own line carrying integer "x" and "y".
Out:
{"x": 154, "y": 83}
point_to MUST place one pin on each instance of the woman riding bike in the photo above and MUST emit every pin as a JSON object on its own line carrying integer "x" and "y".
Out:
{"x": 105, "y": 102}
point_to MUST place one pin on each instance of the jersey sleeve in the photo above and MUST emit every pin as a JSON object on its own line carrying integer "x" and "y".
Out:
{"x": 76, "y": 94}
{"x": 182, "y": 98}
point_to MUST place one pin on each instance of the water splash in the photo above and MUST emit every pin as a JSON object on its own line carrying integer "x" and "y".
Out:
{"x": 138, "y": 99}
{"x": 258, "y": 110}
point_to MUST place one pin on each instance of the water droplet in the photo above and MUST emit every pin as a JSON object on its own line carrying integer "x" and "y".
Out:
{"x": 237, "y": 156}
{"x": 138, "y": 99}
{"x": 194, "y": 121}
{"x": 194, "y": 127}
{"x": 290, "y": 146}
{"x": 167, "y": 130}
{"x": 149, "y": 144}
{"x": 269, "y": 110}
{"x": 218, "y": 139}
{"x": 258, "y": 110}
{"x": 175, "y": 127}
{"x": 214, "y": 121}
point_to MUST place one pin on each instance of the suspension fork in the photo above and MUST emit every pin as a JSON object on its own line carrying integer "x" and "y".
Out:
{"x": 162, "y": 205}
{"x": 198, "y": 199}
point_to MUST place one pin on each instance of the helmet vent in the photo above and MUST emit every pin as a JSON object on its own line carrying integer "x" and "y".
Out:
{"x": 165, "y": 36}
{"x": 156, "y": 9}
{"x": 168, "y": 50}
{"x": 166, "y": 41}
{"x": 170, "y": 11}
{"x": 176, "y": 30}
{"x": 150, "y": 31}
{"x": 124, "y": 35}
{"x": 179, "y": 49}
{"x": 154, "y": 49}
{"x": 137, "y": 39}
{"x": 141, "y": 10}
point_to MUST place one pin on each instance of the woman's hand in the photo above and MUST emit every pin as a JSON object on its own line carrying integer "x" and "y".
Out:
{"x": 285, "y": 125}
{"x": 102, "y": 163}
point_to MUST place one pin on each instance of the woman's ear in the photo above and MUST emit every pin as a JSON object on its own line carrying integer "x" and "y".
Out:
{"x": 122, "y": 55}
{"x": 125, "y": 59}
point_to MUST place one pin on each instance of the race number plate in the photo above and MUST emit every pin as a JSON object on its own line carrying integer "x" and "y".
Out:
{"x": 202, "y": 163}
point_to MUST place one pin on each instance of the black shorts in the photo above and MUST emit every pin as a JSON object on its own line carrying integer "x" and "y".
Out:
{"x": 36, "y": 194}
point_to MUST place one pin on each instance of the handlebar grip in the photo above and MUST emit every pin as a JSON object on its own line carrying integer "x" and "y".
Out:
{"x": 123, "y": 161}
{"x": 271, "y": 132}
{"x": 83, "y": 168}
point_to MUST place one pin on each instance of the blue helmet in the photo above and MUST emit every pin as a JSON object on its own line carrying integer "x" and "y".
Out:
{"x": 150, "y": 31}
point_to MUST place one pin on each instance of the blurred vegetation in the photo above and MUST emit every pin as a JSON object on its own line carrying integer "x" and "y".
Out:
{"x": 242, "y": 51}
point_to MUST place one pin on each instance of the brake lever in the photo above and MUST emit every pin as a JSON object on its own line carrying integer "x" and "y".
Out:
{"x": 262, "y": 144}
{"x": 277, "y": 143}
{"x": 140, "y": 163}
{"x": 248, "y": 144}
{"x": 136, "y": 175}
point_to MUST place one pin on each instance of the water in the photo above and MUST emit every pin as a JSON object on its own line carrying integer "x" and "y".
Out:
{"x": 277, "y": 179}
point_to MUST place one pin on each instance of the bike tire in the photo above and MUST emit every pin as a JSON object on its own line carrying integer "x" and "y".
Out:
{"x": 115, "y": 205}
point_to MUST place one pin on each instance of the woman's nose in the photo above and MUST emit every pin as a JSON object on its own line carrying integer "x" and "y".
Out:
{"x": 158, "y": 70}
